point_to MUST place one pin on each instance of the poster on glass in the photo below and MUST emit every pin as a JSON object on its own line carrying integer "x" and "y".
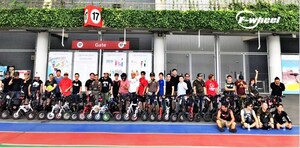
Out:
{"x": 84, "y": 64}
{"x": 140, "y": 61}
{"x": 114, "y": 62}
{"x": 59, "y": 61}
{"x": 290, "y": 74}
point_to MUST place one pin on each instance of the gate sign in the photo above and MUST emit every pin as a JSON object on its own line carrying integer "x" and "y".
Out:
{"x": 92, "y": 16}
{"x": 90, "y": 44}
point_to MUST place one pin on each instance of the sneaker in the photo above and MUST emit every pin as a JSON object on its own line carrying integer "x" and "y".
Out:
{"x": 221, "y": 129}
{"x": 233, "y": 130}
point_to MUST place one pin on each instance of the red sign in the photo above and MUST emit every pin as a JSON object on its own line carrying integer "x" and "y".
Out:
{"x": 92, "y": 16}
{"x": 119, "y": 45}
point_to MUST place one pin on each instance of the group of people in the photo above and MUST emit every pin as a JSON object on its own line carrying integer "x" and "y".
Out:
{"x": 170, "y": 84}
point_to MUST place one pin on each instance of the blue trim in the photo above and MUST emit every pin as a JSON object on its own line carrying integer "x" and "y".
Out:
{"x": 134, "y": 128}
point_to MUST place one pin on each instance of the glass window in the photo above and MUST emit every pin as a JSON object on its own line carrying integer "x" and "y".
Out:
{"x": 189, "y": 43}
{"x": 259, "y": 62}
{"x": 202, "y": 63}
{"x": 178, "y": 61}
{"x": 231, "y": 65}
{"x": 242, "y": 44}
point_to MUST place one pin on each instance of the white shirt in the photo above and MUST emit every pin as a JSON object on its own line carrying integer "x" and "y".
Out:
{"x": 133, "y": 84}
{"x": 181, "y": 89}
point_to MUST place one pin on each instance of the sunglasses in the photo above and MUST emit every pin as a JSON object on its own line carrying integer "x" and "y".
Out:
{"x": 250, "y": 106}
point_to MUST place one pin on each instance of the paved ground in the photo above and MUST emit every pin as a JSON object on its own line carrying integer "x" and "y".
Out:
{"x": 291, "y": 106}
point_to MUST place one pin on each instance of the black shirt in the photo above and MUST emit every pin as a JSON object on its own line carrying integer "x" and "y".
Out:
{"x": 106, "y": 83}
{"x": 7, "y": 88}
{"x": 189, "y": 86}
{"x": 229, "y": 86}
{"x": 175, "y": 81}
{"x": 200, "y": 85}
{"x": 76, "y": 86}
{"x": 264, "y": 116}
{"x": 36, "y": 85}
{"x": 50, "y": 83}
{"x": 116, "y": 86}
{"x": 169, "y": 85}
{"x": 277, "y": 90}
{"x": 26, "y": 84}
{"x": 88, "y": 83}
{"x": 278, "y": 118}
{"x": 17, "y": 84}
{"x": 225, "y": 115}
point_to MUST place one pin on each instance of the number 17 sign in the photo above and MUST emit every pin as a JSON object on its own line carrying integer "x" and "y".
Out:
{"x": 92, "y": 16}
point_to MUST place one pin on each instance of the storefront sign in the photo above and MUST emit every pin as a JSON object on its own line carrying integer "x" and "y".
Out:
{"x": 118, "y": 45}
{"x": 92, "y": 16}
{"x": 248, "y": 20}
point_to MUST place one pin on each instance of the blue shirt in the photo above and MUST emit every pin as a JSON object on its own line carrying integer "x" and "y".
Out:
{"x": 161, "y": 87}
{"x": 57, "y": 79}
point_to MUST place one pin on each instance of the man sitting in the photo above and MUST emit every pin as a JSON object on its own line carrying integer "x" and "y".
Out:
{"x": 225, "y": 117}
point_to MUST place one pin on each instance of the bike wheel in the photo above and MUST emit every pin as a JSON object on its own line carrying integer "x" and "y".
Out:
{"x": 134, "y": 117}
{"x": 166, "y": 117}
{"x": 81, "y": 116}
{"x": 42, "y": 115}
{"x": 16, "y": 115}
{"x": 190, "y": 117}
{"x": 144, "y": 116}
{"x": 58, "y": 116}
{"x": 74, "y": 116}
{"x": 97, "y": 117}
{"x": 181, "y": 117}
{"x": 106, "y": 117}
{"x": 207, "y": 117}
{"x": 67, "y": 116}
{"x": 173, "y": 117}
{"x": 197, "y": 117}
{"x": 117, "y": 117}
{"x": 159, "y": 117}
{"x": 50, "y": 116}
{"x": 152, "y": 116}
{"x": 125, "y": 116}
{"x": 31, "y": 115}
{"x": 5, "y": 114}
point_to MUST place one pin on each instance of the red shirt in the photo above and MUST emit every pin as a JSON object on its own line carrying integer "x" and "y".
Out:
{"x": 64, "y": 84}
{"x": 240, "y": 90}
{"x": 142, "y": 86}
{"x": 211, "y": 86}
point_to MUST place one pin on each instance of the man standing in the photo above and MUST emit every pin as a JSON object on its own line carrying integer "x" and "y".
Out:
{"x": 88, "y": 83}
{"x": 199, "y": 89}
{"x": 27, "y": 82}
{"x": 142, "y": 89}
{"x": 241, "y": 87}
{"x": 58, "y": 78}
{"x": 96, "y": 88}
{"x": 187, "y": 80}
{"x": 65, "y": 85}
{"x": 16, "y": 83}
{"x": 77, "y": 88}
{"x": 277, "y": 87}
{"x": 133, "y": 85}
{"x": 35, "y": 85}
{"x": 106, "y": 86}
{"x": 6, "y": 88}
{"x": 175, "y": 80}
